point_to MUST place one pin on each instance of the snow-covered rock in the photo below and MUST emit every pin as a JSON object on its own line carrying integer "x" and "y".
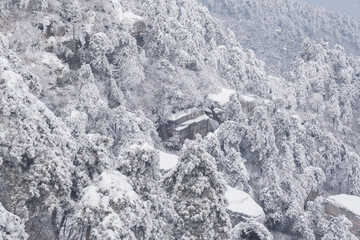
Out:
{"x": 242, "y": 204}
{"x": 347, "y": 205}
{"x": 222, "y": 97}
{"x": 248, "y": 104}
{"x": 167, "y": 160}
{"x": 186, "y": 124}
{"x": 348, "y": 202}
{"x": 118, "y": 11}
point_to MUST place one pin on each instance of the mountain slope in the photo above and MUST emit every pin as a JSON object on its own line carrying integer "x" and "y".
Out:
{"x": 274, "y": 30}
{"x": 82, "y": 97}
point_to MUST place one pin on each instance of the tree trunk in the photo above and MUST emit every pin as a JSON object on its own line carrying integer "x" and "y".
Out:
{"x": 87, "y": 236}
{"x": 54, "y": 225}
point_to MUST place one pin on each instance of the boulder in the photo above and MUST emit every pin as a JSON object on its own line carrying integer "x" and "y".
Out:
{"x": 34, "y": 6}
{"x": 222, "y": 97}
{"x": 248, "y": 104}
{"x": 186, "y": 124}
{"x": 167, "y": 160}
{"x": 347, "y": 205}
{"x": 139, "y": 32}
{"x": 242, "y": 207}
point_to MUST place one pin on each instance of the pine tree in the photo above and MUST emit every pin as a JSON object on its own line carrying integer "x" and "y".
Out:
{"x": 110, "y": 209}
{"x": 339, "y": 229}
{"x": 251, "y": 230}
{"x": 140, "y": 162}
{"x": 37, "y": 177}
{"x": 198, "y": 191}
{"x": 11, "y": 226}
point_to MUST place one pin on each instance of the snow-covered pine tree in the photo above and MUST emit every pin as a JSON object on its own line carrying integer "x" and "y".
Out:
{"x": 35, "y": 176}
{"x": 250, "y": 230}
{"x": 339, "y": 229}
{"x": 198, "y": 191}
{"x": 11, "y": 226}
{"x": 140, "y": 163}
{"x": 110, "y": 209}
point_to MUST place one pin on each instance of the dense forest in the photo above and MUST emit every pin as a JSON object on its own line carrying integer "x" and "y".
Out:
{"x": 178, "y": 119}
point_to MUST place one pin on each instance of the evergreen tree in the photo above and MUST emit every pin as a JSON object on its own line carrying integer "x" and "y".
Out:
{"x": 11, "y": 226}
{"x": 198, "y": 191}
{"x": 339, "y": 229}
{"x": 251, "y": 230}
{"x": 140, "y": 162}
{"x": 36, "y": 176}
{"x": 110, "y": 209}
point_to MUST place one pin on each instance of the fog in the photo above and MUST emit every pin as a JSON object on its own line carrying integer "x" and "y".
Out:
{"x": 350, "y": 7}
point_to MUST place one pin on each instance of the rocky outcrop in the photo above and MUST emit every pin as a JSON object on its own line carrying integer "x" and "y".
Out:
{"x": 186, "y": 125}
{"x": 139, "y": 32}
{"x": 248, "y": 104}
{"x": 72, "y": 55}
{"x": 242, "y": 207}
{"x": 347, "y": 205}
{"x": 34, "y": 6}
{"x": 55, "y": 29}
{"x": 218, "y": 100}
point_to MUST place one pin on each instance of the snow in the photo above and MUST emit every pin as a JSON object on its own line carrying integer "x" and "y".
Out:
{"x": 131, "y": 15}
{"x": 187, "y": 123}
{"x": 247, "y": 98}
{"x": 349, "y": 202}
{"x": 51, "y": 61}
{"x": 118, "y": 9}
{"x": 143, "y": 144}
{"x": 198, "y": 119}
{"x": 11, "y": 226}
{"x": 111, "y": 182}
{"x": 121, "y": 15}
{"x": 91, "y": 196}
{"x": 180, "y": 114}
{"x": 13, "y": 80}
{"x": 241, "y": 202}
{"x": 181, "y": 128}
{"x": 118, "y": 181}
{"x": 4, "y": 63}
{"x": 222, "y": 47}
{"x": 90, "y": 23}
{"x": 217, "y": 110}
{"x": 222, "y": 97}
{"x": 167, "y": 160}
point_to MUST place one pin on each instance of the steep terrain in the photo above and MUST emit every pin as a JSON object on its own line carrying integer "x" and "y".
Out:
{"x": 86, "y": 87}
{"x": 275, "y": 29}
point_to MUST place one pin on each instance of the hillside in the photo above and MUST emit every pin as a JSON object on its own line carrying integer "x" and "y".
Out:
{"x": 150, "y": 119}
{"x": 275, "y": 30}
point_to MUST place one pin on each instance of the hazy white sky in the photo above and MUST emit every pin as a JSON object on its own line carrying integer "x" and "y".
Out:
{"x": 350, "y": 7}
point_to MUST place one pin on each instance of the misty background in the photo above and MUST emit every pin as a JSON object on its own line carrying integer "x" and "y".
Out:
{"x": 350, "y": 7}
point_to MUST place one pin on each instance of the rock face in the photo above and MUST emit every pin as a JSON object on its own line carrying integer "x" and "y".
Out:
{"x": 139, "y": 32}
{"x": 73, "y": 59}
{"x": 34, "y": 5}
{"x": 55, "y": 29}
{"x": 248, "y": 104}
{"x": 186, "y": 125}
{"x": 347, "y": 205}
